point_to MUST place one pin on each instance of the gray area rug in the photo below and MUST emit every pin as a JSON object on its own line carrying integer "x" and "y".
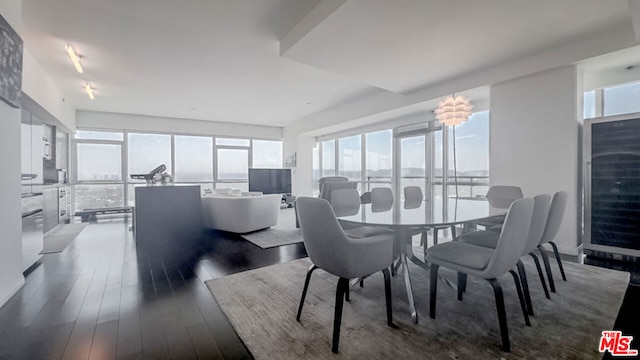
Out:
{"x": 274, "y": 236}
{"x": 284, "y": 233}
{"x": 62, "y": 237}
{"x": 261, "y": 304}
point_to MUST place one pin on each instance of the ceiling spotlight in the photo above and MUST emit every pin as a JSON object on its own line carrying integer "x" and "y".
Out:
{"x": 75, "y": 58}
{"x": 89, "y": 90}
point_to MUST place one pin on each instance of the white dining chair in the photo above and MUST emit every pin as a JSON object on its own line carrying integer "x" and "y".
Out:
{"x": 332, "y": 250}
{"x": 490, "y": 239}
{"x": 554, "y": 220}
{"x": 381, "y": 199}
{"x": 500, "y": 197}
{"x": 487, "y": 263}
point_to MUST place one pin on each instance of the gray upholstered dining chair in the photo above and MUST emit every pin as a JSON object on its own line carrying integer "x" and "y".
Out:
{"x": 490, "y": 239}
{"x": 365, "y": 198}
{"x": 327, "y": 179}
{"x": 381, "y": 199}
{"x": 486, "y": 263}
{"x": 331, "y": 250}
{"x": 500, "y": 197}
{"x": 346, "y": 202}
{"x": 554, "y": 220}
{"x": 329, "y": 187}
{"x": 413, "y": 199}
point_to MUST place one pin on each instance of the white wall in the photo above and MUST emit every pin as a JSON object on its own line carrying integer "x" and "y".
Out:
{"x": 302, "y": 174}
{"x": 39, "y": 86}
{"x": 11, "y": 278}
{"x": 113, "y": 121}
{"x": 534, "y": 141}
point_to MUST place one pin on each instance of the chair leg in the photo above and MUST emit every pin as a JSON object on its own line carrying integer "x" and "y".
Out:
{"x": 433, "y": 289}
{"x": 525, "y": 286}
{"x": 544, "y": 283}
{"x": 525, "y": 312}
{"x": 346, "y": 294}
{"x": 462, "y": 284}
{"x": 555, "y": 251}
{"x": 387, "y": 297}
{"x": 396, "y": 266}
{"x": 304, "y": 290}
{"x": 547, "y": 267}
{"x": 502, "y": 316}
{"x": 361, "y": 282}
{"x": 342, "y": 288}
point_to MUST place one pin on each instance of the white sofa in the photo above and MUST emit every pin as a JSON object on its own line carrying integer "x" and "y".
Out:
{"x": 240, "y": 214}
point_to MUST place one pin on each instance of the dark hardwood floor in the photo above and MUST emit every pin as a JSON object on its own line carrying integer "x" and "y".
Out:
{"x": 105, "y": 298}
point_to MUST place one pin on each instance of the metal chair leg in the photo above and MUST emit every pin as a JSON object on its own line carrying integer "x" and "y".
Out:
{"x": 525, "y": 286}
{"x": 433, "y": 289}
{"x": 547, "y": 267}
{"x": 502, "y": 316}
{"x": 304, "y": 290}
{"x": 544, "y": 283}
{"x": 555, "y": 251}
{"x": 343, "y": 286}
{"x": 525, "y": 312}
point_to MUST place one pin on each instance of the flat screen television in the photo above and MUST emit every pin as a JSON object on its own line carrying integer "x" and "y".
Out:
{"x": 270, "y": 181}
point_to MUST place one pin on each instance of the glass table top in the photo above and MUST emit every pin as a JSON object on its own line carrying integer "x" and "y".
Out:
{"x": 422, "y": 213}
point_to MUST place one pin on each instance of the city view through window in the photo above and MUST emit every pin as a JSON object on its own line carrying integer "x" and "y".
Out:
{"x": 103, "y": 168}
{"x": 420, "y": 159}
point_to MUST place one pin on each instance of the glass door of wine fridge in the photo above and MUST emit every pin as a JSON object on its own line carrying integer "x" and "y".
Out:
{"x": 612, "y": 191}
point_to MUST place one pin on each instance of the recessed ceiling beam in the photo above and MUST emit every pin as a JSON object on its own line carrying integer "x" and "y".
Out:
{"x": 314, "y": 18}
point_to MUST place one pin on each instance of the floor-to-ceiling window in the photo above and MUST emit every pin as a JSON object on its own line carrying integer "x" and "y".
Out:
{"x": 232, "y": 160}
{"x": 316, "y": 169}
{"x": 193, "y": 161}
{"x": 413, "y": 164}
{"x": 106, "y": 159}
{"x": 471, "y": 170}
{"x": 369, "y": 158}
{"x": 267, "y": 154}
{"x": 99, "y": 177}
{"x": 378, "y": 159}
{"x": 146, "y": 152}
{"x": 328, "y": 158}
{"x": 350, "y": 158}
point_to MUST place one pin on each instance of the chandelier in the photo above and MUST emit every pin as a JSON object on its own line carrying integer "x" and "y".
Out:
{"x": 453, "y": 110}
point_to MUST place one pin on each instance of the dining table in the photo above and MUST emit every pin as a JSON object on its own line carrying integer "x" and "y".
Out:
{"x": 405, "y": 218}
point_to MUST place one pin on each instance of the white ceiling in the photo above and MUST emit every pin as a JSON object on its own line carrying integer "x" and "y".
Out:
{"x": 221, "y": 60}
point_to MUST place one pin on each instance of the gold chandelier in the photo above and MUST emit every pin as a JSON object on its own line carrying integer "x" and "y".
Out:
{"x": 453, "y": 110}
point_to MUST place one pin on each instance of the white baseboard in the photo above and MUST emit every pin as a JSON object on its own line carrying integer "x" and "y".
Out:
{"x": 6, "y": 295}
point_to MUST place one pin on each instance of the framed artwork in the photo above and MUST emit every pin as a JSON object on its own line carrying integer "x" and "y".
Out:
{"x": 290, "y": 161}
{"x": 11, "y": 47}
